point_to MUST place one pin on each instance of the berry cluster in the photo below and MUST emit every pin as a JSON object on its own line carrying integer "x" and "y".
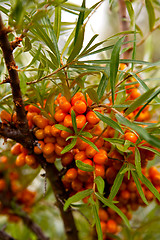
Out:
{"x": 106, "y": 159}
{"x": 11, "y": 189}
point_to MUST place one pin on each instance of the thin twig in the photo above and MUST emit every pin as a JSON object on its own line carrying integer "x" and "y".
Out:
{"x": 5, "y": 236}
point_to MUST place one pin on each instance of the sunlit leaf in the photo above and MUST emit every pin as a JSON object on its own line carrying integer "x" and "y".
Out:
{"x": 69, "y": 146}
{"x": 84, "y": 167}
{"x": 138, "y": 162}
{"x": 79, "y": 22}
{"x": 63, "y": 128}
{"x": 73, "y": 116}
{"x": 151, "y": 13}
{"x": 97, "y": 221}
{"x": 89, "y": 142}
{"x": 100, "y": 184}
{"x": 93, "y": 95}
{"x": 57, "y": 21}
{"x": 77, "y": 197}
{"x": 102, "y": 86}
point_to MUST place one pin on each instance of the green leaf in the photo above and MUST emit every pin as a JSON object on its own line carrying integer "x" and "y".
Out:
{"x": 93, "y": 95}
{"x": 139, "y": 188}
{"x": 97, "y": 221}
{"x": 73, "y": 116}
{"x": 35, "y": 58}
{"x": 117, "y": 183}
{"x": 114, "y": 65}
{"x": 130, "y": 12}
{"x": 150, "y": 149}
{"x": 23, "y": 82}
{"x": 138, "y": 162}
{"x": 79, "y": 22}
{"x": 77, "y": 197}
{"x": 141, "y": 131}
{"x": 89, "y": 142}
{"x": 109, "y": 121}
{"x": 151, "y": 13}
{"x": 57, "y": 21}
{"x": 89, "y": 44}
{"x": 69, "y": 146}
{"x": 140, "y": 101}
{"x": 86, "y": 134}
{"x": 63, "y": 128}
{"x": 100, "y": 184}
{"x": 114, "y": 140}
{"x": 102, "y": 86}
{"x": 150, "y": 187}
{"x": 154, "y": 95}
{"x": 109, "y": 204}
{"x": 84, "y": 167}
{"x": 78, "y": 45}
{"x": 27, "y": 44}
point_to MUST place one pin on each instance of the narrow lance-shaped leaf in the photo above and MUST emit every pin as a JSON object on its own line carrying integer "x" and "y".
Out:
{"x": 141, "y": 131}
{"x": 151, "y": 14}
{"x": 138, "y": 162}
{"x": 89, "y": 142}
{"x": 117, "y": 183}
{"x": 97, "y": 221}
{"x": 100, "y": 184}
{"x": 150, "y": 186}
{"x": 109, "y": 204}
{"x": 140, "y": 101}
{"x": 69, "y": 146}
{"x": 102, "y": 86}
{"x": 77, "y": 197}
{"x": 73, "y": 116}
{"x": 84, "y": 167}
{"x": 63, "y": 128}
{"x": 93, "y": 95}
{"x": 131, "y": 12}
{"x": 138, "y": 185}
{"x": 109, "y": 121}
{"x": 114, "y": 65}
{"x": 79, "y": 22}
{"x": 78, "y": 45}
{"x": 57, "y": 21}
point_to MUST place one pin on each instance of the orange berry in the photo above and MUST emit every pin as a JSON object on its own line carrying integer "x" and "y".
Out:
{"x": 55, "y": 131}
{"x": 24, "y": 150}
{"x": 111, "y": 226}
{"x": 125, "y": 194}
{"x": 47, "y": 131}
{"x": 76, "y": 97}
{"x": 49, "y": 139}
{"x": 16, "y": 149}
{"x": 67, "y": 121}
{"x": 99, "y": 143}
{"x": 80, "y": 120}
{"x": 132, "y": 137}
{"x": 92, "y": 118}
{"x": 3, "y": 159}
{"x": 39, "y": 134}
{"x": 84, "y": 173}
{"x": 156, "y": 179}
{"x": 58, "y": 149}
{"x": 90, "y": 151}
{"x": 103, "y": 226}
{"x": 64, "y": 104}
{"x": 30, "y": 160}
{"x": 5, "y": 116}
{"x": 81, "y": 155}
{"x": 39, "y": 149}
{"x": 61, "y": 141}
{"x": 59, "y": 115}
{"x": 71, "y": 174}
{"x": 152, "y": 172}
{"x": 30, "y": 115}
{"x": 76, "y": 185}
{"x": 48, "y": 149}
{"x": 131, "y": 186}
{"x": 99, "y": 170}
{"x": 51, "y": 159}
{"x": 65, "y": 134}
{"x": 89, "y": 101}
{"x": 103, "y": 215}
{"x": 40, "y": 121}
{"x": 100, "y": 157}
{"x": 32, "y": 108}
{"x": 2, "y": 185}
{"x": 81, "y": 145}
{"x": 20, "y": 160}
{"x": 111, "y": 174}
{"x": 80, "y": 106}
{"x": 135, "y": 93}
{"x": 66, "y": 159}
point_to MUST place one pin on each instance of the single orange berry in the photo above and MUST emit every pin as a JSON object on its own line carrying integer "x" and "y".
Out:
{"x": 58, "y": 149}
{"x": 55, "y": 131}
{"x": 2, "y": 185}
{"x": 30, "y": 160}
{"x": 92, "y": 118}
{"x": 100, "y": 157}
{"x": 80, "y": 120}
{"x": 71, "y": 174}
{"x": 20, "y": 160}
{"x": 132, "y": 137}
{"x": 67, "y": 121}
{"x": 39, "y": 134}
{"x": 90, "y": 151}
{"x": 103, "y": 215}
{"x": 59, "y": 115}
{"x": 49, "y": 140}
{"x": 66, "y": 159}
{"x": 81, "y": 155}
{"x": 32, "y": 108}
{"x": 39, "y": 149}
{"x": 40, "y": 121}
{"x": 80, "y": 106}
{"x": 64, "y": 104}
{"x": 16, "y": 149}
{"x": 99, "y": 170}
{"x": 65, "y": 134}
{"x": 111, "y": 226}
{"x": 76, "y": 97}
{"x": 5, "y": 116}
{"x": 51, "y": 159}
{"x": 61, "y": 141}
{"x": 48, "y": 149}
{"x": 47, "y": 131}
{"x": 76, "y": 185}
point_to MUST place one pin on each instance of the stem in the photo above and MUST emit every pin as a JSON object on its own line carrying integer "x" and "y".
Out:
{"x": 5, "y": 236}
{"x": 124, "y": 26}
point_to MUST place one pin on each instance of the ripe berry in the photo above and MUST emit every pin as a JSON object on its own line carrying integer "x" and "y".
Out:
{"x": 59, "y": 115}
{"x": 16, "y": 149}
{"x": 80, "y": 106}
{"x": 130, "y": 136}
{"x": 55, "y": 131}
{"x": 39, "y": 149}
{"x": 66, "y": 159}
{"x": 100, "y": 157}
{"x": 64, "y": 104}
{"x": 5, "y": 116}
{"x": 92, "y": 118}
{"x": 20, "y": 160}
{"x": 30, "y": 160}
{"x": 80, "y": 120}
{"x": 67, "y": 121}
{"x": 71, "y": 174}
{"x": 48, "y": 148}
{"x": 39, "y": 134}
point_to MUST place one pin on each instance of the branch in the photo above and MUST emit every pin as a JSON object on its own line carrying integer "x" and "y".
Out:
{"x": 14, "y": 79}
{"x": 5, "y": 236}
{"x": 124, "y": 26}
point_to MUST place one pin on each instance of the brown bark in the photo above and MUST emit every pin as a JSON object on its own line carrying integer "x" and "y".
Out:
{"x": 21, "y": 134}
{"x": 5, "y": 236}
